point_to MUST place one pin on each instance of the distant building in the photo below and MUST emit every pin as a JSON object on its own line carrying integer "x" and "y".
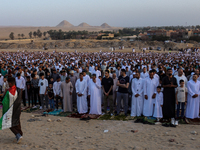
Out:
{"x": 109, "y": 36}
{"x": 196, "y": 33}
{"x": 131, "y": 38}
{"x": 152, "y": 33}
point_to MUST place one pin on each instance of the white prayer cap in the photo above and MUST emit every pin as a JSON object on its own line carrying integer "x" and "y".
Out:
{"x": 71, "y": 71}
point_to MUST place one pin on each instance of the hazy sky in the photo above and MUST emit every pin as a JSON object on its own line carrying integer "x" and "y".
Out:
{"x": 120, "y": 13}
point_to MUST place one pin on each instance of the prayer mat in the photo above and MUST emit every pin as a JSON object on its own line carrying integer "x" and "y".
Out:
{"x": 195, "y": 121}
{"x": 91, "y": 116}
{"x": 24, "y": 108}
{"x": 29, "y": 110}
{"x": 64, "y": 114}
{"x": 38, "y": 111}
{"x": 55, "y": 112}
{"x": 75, "y": 115}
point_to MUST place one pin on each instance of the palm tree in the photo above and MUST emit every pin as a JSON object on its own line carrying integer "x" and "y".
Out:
{"x": 35, "y": 34}
{"x": 19, "y": 36}
{"x": 22, "y": 35}
{"x": 30, "y": 34}
{"x": 12, "y": 36}
{"x": 44, "y": 33}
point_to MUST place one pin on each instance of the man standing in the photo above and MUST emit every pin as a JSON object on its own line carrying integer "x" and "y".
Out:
{"x": 81, "y": 91}
{"x": 137, "y": 96}
{"x": 73, "y": 80}
{"x": 115, "y": 79}
{"x": 180, "y": 76}
{"x": 76, "y": 73}
{"x": 43, "y": 85}
{"x": 169, "y": 84}
{"x": 107, "y": 85}
{"x": 144, "y": 74}
{"x": 12, "y": 110}
{"x": 94, "y": 94}
{"x": 192, "y": 110}
{"x": 118, "y": 71}
{"x": 97, "y": 72}
{"x": 56, "y": 90}
{"x": 123, "y": 83}
{"x": 20, "y": 84}
{"x": 150, "y": 86}
{"x": 66, "y": 92}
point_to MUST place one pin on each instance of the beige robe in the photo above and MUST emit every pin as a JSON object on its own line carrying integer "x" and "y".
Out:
{"x": 114, "y": 90}
{"x": 66, "y": 88}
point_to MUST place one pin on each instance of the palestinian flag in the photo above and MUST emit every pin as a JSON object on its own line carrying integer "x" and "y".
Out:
{"x": 11, "y": 109}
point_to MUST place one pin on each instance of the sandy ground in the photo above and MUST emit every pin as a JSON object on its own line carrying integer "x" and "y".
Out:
{"x": 73, "y": 134}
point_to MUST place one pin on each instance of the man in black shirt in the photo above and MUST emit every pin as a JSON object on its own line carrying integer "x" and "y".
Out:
{"x": 107, "y": 85}
{"x": 123, "y": 83}
{"x": 169, "y": 84}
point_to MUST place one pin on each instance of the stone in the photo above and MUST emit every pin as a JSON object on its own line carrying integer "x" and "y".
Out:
{"x": 58, "y": 120}
{"x": 49, "y": 120}
{"x": 194, "y": 132}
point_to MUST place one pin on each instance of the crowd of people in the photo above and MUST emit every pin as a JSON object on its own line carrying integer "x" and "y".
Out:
{"x": 140, "y": 84}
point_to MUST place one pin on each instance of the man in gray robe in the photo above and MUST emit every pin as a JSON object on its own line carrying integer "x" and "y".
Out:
{"x": 73, "y": 80}
{"x": 66, "y": 92}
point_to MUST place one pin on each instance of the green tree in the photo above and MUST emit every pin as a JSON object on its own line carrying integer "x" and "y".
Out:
{"x": 22, "y": 35}
{"x": 44, "y": 34}
{"x": 39, "y": 33}
{"x": 19, "y": 36}
{"x": 11, "y": 36}
{"x": 35, "y": 34}
{"x": 30, "y": 34}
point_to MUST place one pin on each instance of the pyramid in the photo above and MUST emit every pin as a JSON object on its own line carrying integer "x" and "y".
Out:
{"x": 105, "y": 25}
{"x": 65, "y": 23}
{"x": 84, "y": 25}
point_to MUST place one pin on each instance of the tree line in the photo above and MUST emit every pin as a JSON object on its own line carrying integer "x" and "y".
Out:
{"x": 31, "y": 34}
{"x": 62, "y": 35}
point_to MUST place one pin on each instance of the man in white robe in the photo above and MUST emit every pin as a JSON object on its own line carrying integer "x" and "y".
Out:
{"x": 95, "y": 98}
{"x": 150, "y": 86}
{"x": 97, "y": 72}
{"x": 137, "y": 96}
{"x": 192, "y": 109}
{"x": 180, "y": 76}
{"x": 144, "y": 74}
{"x": 81, "y": 91}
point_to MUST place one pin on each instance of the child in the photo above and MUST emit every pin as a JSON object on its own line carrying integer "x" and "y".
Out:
{"x": 181, "y": 98}
{"x": 5, "y": 85}
{"x": 48, "y": 77}
{"x": 29, "y": 90}
{"x": 51, "y": 96}
{"x": 12, "y": 111}
{"x": 43, "y": 84}
{"x": 158, "y": 103}
{"x": 51, "y": 80}
{"x": 57, "y": 90}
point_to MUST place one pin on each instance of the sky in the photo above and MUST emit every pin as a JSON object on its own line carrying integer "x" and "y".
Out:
{"x": 119, "y": 13}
